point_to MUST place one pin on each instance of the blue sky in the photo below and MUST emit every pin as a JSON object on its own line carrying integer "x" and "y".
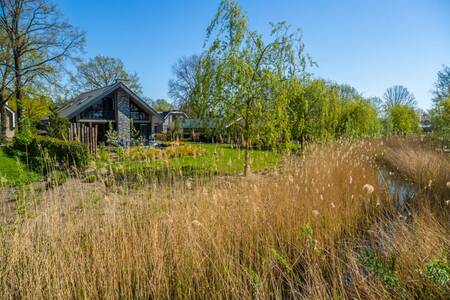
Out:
{"x": 371, "y": 45}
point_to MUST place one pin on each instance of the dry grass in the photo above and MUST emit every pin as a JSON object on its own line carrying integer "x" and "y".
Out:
{"x": 411, "y": 246}
{"x": 426, "y": 167}
{"x": 295, "y": 234}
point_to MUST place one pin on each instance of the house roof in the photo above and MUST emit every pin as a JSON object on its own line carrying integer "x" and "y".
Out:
{"x": 166, "y": 114}
{"x": 84, "y": 100}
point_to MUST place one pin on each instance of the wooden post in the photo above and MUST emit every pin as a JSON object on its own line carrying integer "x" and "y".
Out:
{"x": 95, "y": 139}
{"x": 86, "y": 134}
{"x": 90, "y": 138}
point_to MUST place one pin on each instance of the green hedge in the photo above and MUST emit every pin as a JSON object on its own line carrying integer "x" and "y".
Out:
{"x": 38, "y": 149}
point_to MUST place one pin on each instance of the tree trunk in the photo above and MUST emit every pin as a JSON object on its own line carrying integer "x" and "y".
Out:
{"x": 17, "y": 54}
{"x": 247, "y": 139}
{"x": 18, "y": 91}
{"x": 247, "y": 147}
{"x": 247, "y": 158}
{"x": 3, "y": 121}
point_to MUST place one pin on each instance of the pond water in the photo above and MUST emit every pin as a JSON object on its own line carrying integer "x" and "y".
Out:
{"x": 400, "y": 190}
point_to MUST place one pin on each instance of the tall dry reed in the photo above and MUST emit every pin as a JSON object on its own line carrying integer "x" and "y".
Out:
{"x": 297, "y": 233}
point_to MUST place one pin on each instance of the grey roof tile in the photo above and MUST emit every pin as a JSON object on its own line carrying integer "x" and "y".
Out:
{"x": 73, "y": 105}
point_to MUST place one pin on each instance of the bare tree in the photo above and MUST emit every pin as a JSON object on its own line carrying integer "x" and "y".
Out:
{"x": 40, "y": 41}
{"x": 398, "y": 94}
{"x": 182, "y": 86}
{"x": 102, "y": 71}
{"x": 348, "y": 92}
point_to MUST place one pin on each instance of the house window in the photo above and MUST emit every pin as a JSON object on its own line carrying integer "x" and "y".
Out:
{"x": 137, "y": 114}
{"x": 101, "y": 110}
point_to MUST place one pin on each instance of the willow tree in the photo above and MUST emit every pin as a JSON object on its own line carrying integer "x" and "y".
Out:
{"x": 314, "y": 110}
{"x": 249, "y": 74}
{"x": 358, "y": 118}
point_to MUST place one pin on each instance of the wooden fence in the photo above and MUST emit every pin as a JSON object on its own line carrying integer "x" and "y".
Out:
{"x": 86, "y": 134}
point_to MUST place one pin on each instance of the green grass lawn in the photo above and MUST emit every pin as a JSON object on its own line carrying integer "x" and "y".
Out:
{"x": 13, "y": 172}
{"x": 216, "y": 160}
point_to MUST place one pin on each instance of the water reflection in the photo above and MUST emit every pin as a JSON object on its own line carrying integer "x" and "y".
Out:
{"x": 400, "y": 190}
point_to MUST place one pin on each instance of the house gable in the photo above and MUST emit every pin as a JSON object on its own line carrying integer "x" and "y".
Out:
{"x": 170, "y": 117}
{"x": 113, "y": 107}
{"x": 139, "y": 101}
{"x": 83, "y": 101}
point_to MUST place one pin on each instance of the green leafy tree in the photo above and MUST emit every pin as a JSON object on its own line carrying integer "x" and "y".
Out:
{"x": 36, "y": 105}
{"x": 101, "y": 71}
{"x": 441, "y": 121}
{"x": 162, "y": 105}
{"x": 314, "y": 108}
{"x": 58, "y": 126}
{"x": 404, "y": 119}
{"x": 248, "y": 76}
{"x": 358, "y": 118}
{"x": 440, "y": 114}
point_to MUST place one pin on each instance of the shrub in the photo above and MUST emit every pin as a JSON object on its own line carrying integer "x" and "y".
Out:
{"x": 58, "y": 126}
{"x": 112, "y": 137}
{"x": 385, "y": 271}
{"x": 38, "y": 149}
{"x": 161, "y": 137}
{"x": 438, "y": 271}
